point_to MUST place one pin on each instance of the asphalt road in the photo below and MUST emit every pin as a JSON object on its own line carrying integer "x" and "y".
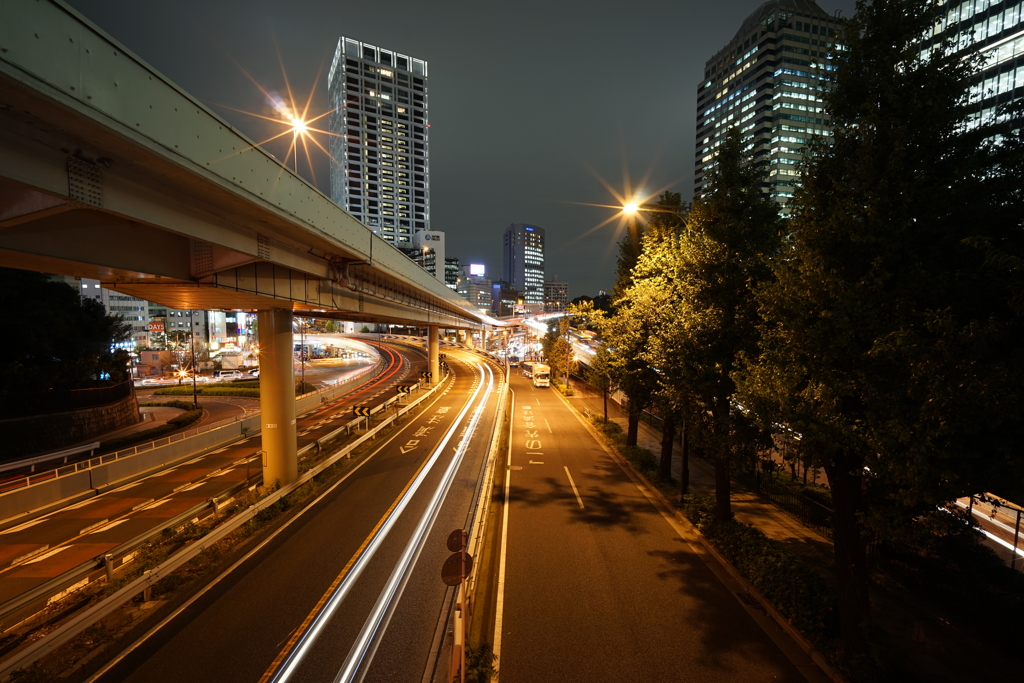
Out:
{"x": 598, "y": 585}
{"x": 89, "y": 529}
{"x": 241, "y": 625}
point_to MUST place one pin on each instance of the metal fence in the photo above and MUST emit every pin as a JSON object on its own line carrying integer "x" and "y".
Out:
{"x": 44, "y": 403}
{"x": 810, "y": 513}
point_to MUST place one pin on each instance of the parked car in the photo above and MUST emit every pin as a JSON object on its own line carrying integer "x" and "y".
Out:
{"x": 255, "y": 372}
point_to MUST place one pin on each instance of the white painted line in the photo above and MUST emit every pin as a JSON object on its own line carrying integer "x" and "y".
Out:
{"x": 154, "y": 504}
{"x": 49, "y": 554}
{"x": 574, "y": 489}
{"x": 499, "y": 602}
{"x": 85, "y": 502}
{"x": 549, "y": 426}
{"x": 21, "y": 527}
{"x": 109, "y": 526}
{"x": 220, "y": 450}
{"x": 195, "y": 460}
{"x": 125, "y": 488}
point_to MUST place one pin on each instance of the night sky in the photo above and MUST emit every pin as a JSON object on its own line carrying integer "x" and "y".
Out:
{"x": 532, "y": 104}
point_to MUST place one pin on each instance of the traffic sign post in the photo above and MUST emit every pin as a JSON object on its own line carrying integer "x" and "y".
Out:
{"x": 454, "y": 572}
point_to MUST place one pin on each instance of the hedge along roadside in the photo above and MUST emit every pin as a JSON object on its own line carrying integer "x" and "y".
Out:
{"x": 82, "y": 621}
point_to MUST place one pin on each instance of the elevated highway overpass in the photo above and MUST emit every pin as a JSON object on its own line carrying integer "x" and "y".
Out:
{"x": 110, "y": 171}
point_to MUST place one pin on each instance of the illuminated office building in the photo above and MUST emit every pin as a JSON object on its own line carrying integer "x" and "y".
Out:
{"x": 767, "y": 81}
{"x": 524, "y": 261}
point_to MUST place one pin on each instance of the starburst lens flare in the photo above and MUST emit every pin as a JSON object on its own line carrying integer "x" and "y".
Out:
{"x": 630, "y": 208}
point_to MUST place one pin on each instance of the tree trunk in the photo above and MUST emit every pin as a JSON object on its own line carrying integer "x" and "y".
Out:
{"x": 668, "y": 436}
{"x": 850, "y": 553}
{"x": 633, "y": 423}
{"x": 684, "y": 474}
{"x": 605, "y": 403}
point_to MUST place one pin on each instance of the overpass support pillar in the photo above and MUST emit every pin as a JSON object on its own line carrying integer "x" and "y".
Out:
{"x": 432, "y": 354}
{"x": 277, "y": 397}
{"x": 469, "y": 338}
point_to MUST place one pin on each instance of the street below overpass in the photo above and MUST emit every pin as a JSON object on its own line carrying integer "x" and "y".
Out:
{"x": 352, "y": 582}
{"x": 599, "y": 582}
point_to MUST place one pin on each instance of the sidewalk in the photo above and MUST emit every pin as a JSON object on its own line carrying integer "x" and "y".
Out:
{"x": 928, "y": 646}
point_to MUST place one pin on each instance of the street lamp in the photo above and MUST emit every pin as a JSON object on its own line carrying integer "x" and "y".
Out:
{"x": 192, "y": 336}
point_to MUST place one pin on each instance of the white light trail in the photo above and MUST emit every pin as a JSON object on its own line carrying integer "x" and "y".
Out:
{"x": 369, "y": 637}
{"x": 305, "y": 643}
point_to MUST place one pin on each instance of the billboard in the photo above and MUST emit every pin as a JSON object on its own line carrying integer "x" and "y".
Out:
{"x": 477, "y": 269}
{"x": 156, "y": 327}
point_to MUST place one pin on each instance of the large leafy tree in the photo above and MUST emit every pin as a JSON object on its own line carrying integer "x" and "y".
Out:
{"x": 892, "y": 330}
{"x": 62, "y": 341}
{"x": 693, "y": 285}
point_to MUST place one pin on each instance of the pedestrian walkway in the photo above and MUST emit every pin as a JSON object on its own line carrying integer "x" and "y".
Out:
{"x": 927, "y": 644}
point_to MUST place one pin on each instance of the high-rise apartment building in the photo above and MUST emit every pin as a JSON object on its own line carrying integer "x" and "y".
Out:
{"x": 524, "y": 261}
{"x": 380, "y": 168}
{"x": 768, "y": 81}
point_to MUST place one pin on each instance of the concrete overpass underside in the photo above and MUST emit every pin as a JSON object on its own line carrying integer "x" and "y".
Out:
{"x": 110, "y": 171}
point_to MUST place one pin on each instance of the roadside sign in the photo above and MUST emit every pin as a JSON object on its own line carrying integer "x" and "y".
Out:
{"x": 457, "y": 540}
{"x": 361, "y": 411}
{"x": 453, "y": 571}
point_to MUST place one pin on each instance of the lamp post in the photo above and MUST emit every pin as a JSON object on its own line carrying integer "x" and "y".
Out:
{"x": 192, "y": 337}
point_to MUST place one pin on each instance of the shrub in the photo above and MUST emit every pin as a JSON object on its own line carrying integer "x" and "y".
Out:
{"x": 796, "y": 590}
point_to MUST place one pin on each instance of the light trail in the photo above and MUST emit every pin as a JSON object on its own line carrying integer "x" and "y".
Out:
{"x": 365, "y": 647}
{"x": 307, "y": 640}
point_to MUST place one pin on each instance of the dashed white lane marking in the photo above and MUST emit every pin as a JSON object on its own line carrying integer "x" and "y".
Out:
{"x": 107, "y": 526}
{"x": 574, "y": 489}
{"x": 549, "y": 426}
{"x": 49, "y": 554}
{"x": 21, "y": 527}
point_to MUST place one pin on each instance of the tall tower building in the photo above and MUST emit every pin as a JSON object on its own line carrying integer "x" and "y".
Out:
{"x": 524, "y": 261}
{"x": 380, "y": 168}
{"x": 767, "y": 81}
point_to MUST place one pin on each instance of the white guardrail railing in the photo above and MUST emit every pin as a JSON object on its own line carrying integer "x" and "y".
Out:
{"x": 86, "y": 618}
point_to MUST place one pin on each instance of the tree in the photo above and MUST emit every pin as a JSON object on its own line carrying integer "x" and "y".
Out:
{"x": 64, "y": 341}
{"x": 891, "y": 330}
{"x": 693, "y": 285}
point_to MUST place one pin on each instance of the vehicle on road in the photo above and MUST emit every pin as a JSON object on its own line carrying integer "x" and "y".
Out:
{"x": 513, "y": 361}
{"x": 527, "y": 367}
{"x": 255, "y": 372}
{"x": 224, "y": 375}
{"x": 541, "y": 375}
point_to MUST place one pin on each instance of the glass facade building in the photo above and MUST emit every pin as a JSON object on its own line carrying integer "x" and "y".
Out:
{"x": 997, "y": 31}
{"x": 523, "y": 252}
{"x": 380, "y": 167}
{"x": 768, "y": 81}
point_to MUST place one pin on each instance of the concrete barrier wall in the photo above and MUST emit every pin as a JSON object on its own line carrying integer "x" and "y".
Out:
{"x": 19, "y": 501}
{"x": 37, "y": 497}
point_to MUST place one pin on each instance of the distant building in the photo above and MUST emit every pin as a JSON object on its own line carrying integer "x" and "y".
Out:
{"x": 130, "y": 309}
{"x": 475, "y": 288}
{"x": 451, "y": 271}
{"x": 767, "y": 80}
{"x": 380, "y": 168}
{"x": 556, "y": 296}
{"x": 428, "y": 250}
{"x": 523, "y": 262}
{"x": 503, "y": 299}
